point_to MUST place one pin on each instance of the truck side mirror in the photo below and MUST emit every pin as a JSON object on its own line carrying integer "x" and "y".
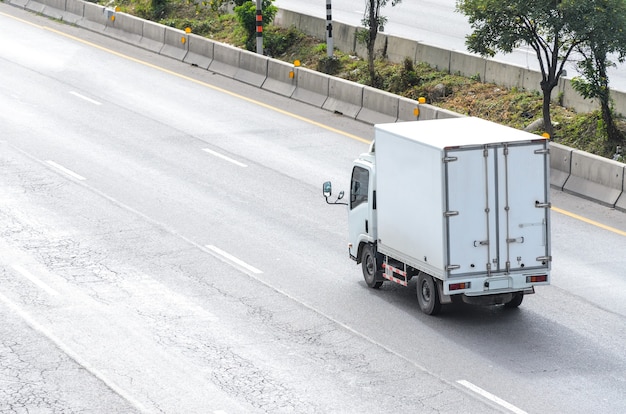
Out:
{"x": 327, "y": 190}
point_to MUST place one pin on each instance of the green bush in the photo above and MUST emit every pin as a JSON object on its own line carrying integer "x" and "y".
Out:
{"x": 246, "y": 15}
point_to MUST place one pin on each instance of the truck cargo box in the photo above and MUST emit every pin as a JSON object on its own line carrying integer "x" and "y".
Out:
{"x": 463, "y": 197}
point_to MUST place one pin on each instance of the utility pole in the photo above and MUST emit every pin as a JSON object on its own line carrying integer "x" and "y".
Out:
{"x": 259, "y": 27}
{"x": 329, "y": 29}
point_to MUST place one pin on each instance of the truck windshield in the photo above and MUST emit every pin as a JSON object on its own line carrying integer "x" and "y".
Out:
{"x": 359, "y": 186}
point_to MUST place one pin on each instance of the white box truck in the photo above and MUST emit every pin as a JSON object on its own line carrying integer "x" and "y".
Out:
{"x": 462, "y": 203}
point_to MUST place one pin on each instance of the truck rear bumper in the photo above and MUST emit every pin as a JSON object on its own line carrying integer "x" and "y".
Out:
{"x": 497, "y": 284}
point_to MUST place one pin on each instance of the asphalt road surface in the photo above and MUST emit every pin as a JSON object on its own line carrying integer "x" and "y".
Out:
{"x": 434, "y": 22}
{"x": 165, "y": 247}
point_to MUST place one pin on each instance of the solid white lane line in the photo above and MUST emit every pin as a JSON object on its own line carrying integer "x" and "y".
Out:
{"x": 66, "y": 171}
{"x": 19, "y": 269}
{"x": 491, "y": 397}
{"x": 83, "y": 97}
{"x": 233, "y": 260}
{"x": 224, "y": 157}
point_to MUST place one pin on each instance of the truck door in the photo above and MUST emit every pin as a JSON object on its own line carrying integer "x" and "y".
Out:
{"x": 497, "y": 208}
{"x": 470, "y": 211}
{"x": 524, "y": 207}
{"x": 360, "y": 216}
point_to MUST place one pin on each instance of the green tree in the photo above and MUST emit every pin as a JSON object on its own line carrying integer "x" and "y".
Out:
{"x": 552, "y": 28}
{"x": 372, "y": 21}
{"x": 246, "y": 15}
{"x": 606, "y": 28}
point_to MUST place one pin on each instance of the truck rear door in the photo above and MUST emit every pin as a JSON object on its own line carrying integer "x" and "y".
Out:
{"x": 496, "y": 207}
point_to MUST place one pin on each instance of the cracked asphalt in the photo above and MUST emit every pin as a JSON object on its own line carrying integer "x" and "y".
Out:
{"x": 149, "y": 275}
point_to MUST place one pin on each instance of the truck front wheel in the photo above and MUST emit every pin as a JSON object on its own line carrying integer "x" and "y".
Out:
{"x": 370, "y": 267}
{"x": 427, "y": 294}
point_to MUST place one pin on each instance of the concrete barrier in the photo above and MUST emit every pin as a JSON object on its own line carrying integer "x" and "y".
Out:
{"x": 378, "y": 106}
{"x": 225, "y": 59}
{"x": 278, "y": 78}
{"x": 344, "y": 97}
{"x": 287, "y": 18}
{"x": 75, "y": 11}
{"x": 621, "y": 201}
{"x": 175, "y": 44}
{"x": 435, "y": 56}
{"x": 502, "y": 74}
{"x": 126, "y": 28}
{"x": 53, "y": 8}
{"x": 95, "y": 17}
{"x": 572, "y": 99}
{"x": 19, "y": 3}
{"x": 467, "y": 64}
{"x": 311, "y": 87}
{"x": 35, "y": 6}
{"x": 407, "y": 107}
{"x": 200, "y": 51}
{"x": 153, "y": 37}
{"x": 252, "y": 68}
{"x": 560, "y": 164}
{"x": 344, "y": 37}
{"x": 379, "y": 46}
{"x": 596, "y": 178}
{"x": 313, "y": 26}
{"x": 399, "y": 49}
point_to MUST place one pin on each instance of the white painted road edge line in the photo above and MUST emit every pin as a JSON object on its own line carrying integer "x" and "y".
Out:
{"x": 19, "y": 269}
{"x": 65, "y": 170}
{"x": 232, "y": 259}
{"x": 78, "y": 95}
{"x": 224, "y": 157}
{"x": 491, "y": 397}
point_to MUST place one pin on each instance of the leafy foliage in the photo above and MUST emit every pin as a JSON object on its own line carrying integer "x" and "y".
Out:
{"x": 606, "y": 37}
{"x": 552, "y": 28}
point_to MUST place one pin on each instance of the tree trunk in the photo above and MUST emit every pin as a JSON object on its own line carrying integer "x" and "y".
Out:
{"x": 547, "y": 120}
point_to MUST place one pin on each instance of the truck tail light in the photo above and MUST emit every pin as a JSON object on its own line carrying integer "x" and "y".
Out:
{"x": 459, "y": 286}
{"x": 536, "y": 279}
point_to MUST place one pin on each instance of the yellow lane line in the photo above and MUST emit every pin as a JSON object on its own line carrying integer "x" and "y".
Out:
{"x": 588, "y": 221}
{"x": 273, "y": 108}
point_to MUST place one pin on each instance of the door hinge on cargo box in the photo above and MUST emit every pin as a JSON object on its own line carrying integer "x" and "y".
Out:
{"x": 450, "y": 213}
{"x": 450, "y": 159}
{"x": 452, "y": 267}
{"x": 542, "y": 151}
{"x": 543, "y": 205}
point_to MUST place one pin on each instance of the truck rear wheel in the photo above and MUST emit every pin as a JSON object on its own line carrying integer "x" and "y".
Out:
{"x": 427, "y": 294}
{"x": 370, "y": 267}
{"x": 518, "y": 297}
